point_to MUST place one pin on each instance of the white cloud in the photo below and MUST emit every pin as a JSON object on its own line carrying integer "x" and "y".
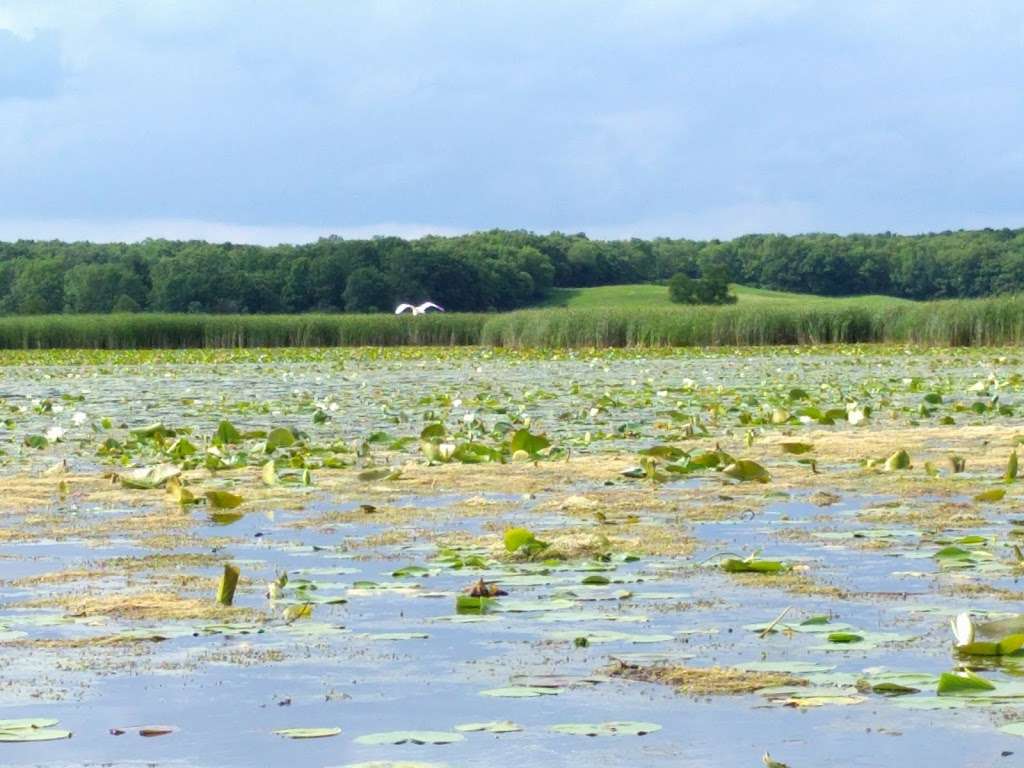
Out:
{"x": 685, "y": 117}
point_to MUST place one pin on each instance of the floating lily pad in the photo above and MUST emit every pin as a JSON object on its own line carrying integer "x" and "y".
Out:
{"x": 308, "y": 733}
{"x": 520, "y": 692}
{"x": 615, "y": 728}
{"x": 410, "y": 737}
{"x": 497, "y": 726}
{"x": 31, "y": 729}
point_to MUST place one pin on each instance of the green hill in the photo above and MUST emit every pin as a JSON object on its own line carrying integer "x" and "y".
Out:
{"x": 650, "y": 296}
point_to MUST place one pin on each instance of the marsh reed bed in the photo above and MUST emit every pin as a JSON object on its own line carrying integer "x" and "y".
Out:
{"x": 963, "y": 322}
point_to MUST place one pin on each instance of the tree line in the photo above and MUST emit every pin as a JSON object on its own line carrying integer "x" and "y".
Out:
{"x": 494, "y": 270}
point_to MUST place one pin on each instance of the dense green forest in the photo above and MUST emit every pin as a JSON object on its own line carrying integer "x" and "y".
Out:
{"x": 495, "y": 270}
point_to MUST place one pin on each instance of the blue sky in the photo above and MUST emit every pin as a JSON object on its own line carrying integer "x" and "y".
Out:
{"x": 281, "y": 121}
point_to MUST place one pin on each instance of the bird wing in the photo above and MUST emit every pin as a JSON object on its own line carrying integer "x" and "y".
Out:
{"x": 429, "y": 305}
{"x": 403, "y": 307}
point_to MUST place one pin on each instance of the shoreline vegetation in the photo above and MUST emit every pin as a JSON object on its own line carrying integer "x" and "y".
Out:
{"x": 791, "y": 320}
{"x": 493, "y": 271}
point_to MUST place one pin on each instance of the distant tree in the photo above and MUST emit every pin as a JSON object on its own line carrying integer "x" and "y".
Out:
{"x": 297, "y": 290}
{"x": 710, "y": 288}
{"x": 95, "y": 287}
{"x": 713, "y": 286}
{"x": 125, "y": 303}
{"x": 367, "y": 290}
{"x": 38, "y": 287}
{"x": 682, "y": 289}
{"x": 496, "y": 269}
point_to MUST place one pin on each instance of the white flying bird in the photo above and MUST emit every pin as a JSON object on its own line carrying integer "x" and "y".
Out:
{"x": 420, "y": 310}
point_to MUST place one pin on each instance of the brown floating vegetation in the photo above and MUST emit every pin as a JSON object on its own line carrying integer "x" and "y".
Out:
{"x": 703, "y": 681}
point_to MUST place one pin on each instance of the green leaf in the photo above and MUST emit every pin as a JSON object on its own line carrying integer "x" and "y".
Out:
{"x": 1011, "y": 468}
{"x": 796, "y": 448}
{"x": 148, "y": 477}
{"x": 36, "y": 441}
{"x": 844, "y": 637}
{"x": 524, "y": 440}
{"x": 475, "y": 453}
{"x": 279, "y": 437}
{"x": 181, "y": 449}
{"x": 993, "y": 494}
{"x": 432, "y": 432}
{"x": 151, "y": 431}
{"x": 469, "y": 604}
{"x": 893, "y": 689}
{"x": 228, "y": 583}
{"x": 979, "y": 648}
{"x": 952, "y": 553}
{"x": 223, "y": 499}
{"x": 745, "y": 470}
{"x": 898, "y": 460}
{"x": 667, "y": 452}
{"x": 951, "y": 683}
{"x": 735, "y": 565}
{"x": 226, "y": 434}
{"x": 523, "y": 540}
{"x": 379, "y": 473}
{"x": 1007, "y": 646}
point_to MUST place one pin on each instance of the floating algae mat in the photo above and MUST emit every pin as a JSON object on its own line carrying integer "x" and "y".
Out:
{"x": 485, "y": 558}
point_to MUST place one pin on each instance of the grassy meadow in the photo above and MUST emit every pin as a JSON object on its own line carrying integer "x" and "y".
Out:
{"x": 608, "y": 316}
{"x": 652, "y": 296}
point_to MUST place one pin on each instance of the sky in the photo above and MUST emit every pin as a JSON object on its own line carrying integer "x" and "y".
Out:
{"x": 271, "y": 121}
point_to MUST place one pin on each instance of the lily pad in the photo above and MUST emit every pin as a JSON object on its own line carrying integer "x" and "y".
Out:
{"x": 308, "y": 733}
{"x": 496, "y": 726}
{"x": 520, "y": 692}
{"x": 31, "y": 729}
{"x": 615, "y": 728}
{"x": 410, "y": 737}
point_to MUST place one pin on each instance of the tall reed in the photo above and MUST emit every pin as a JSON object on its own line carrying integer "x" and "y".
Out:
{"x": 965, "y": 322}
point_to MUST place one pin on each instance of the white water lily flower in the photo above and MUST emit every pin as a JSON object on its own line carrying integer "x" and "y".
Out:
{"x": 78, "y": 418}
{"x": 963, "y": 629}
{"x": 445, "y": 450}
{"x": 53, "y": 434}
{"x": 274, "y": 591}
